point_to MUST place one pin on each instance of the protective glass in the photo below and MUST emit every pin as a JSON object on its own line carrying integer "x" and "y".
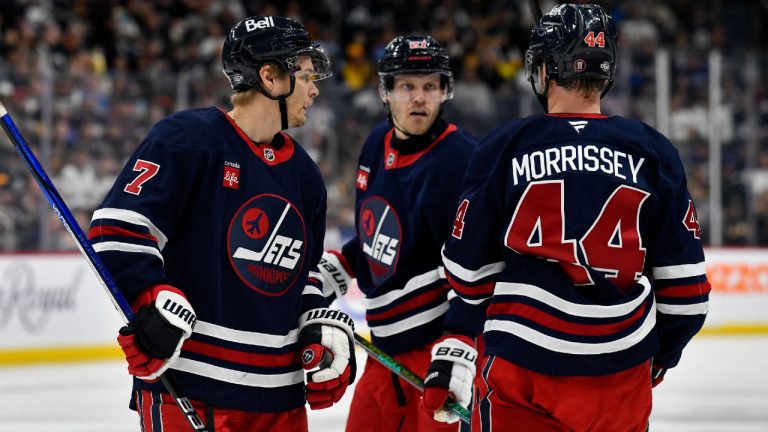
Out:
{"x": 321, "y": 65}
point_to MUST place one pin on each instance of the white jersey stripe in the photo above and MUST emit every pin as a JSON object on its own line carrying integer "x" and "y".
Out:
{"x": 575, "y": 309}
{"x": 412, "y": 285}
{"x": 246, "y": 337}
{"x": 132, "y": 217}
{"x": 311, "y": 290}
{"x": 680, "y": 271}
{"x": 238, "y": 377}
{"x": 472, "y": 275}
{"x": 127, "y": 247}
{"x": 410, "y": 322}
{"x": 563, "y": 346}
{"x": 692, "y": 309}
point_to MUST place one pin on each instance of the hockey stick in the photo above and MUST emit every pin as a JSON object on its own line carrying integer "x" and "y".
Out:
{"x": 390, "y": 363}
{"x": 535, "y": 11}
{"x": 96, "y": 264}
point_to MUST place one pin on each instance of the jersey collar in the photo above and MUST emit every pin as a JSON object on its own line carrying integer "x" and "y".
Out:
{"x": 582, "y": 115}
{"x": 280, "y": 150}
{"x": 394, "y": 159}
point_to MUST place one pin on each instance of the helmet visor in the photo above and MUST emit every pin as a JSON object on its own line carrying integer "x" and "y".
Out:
{"x": 405, "y": 89}
{"x": 321, "y": 65}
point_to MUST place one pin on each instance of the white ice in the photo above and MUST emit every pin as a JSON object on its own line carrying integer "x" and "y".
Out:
{"x": 721, "y": 385}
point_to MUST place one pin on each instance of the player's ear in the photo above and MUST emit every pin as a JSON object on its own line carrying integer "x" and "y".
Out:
{"x": 268, "y": 76}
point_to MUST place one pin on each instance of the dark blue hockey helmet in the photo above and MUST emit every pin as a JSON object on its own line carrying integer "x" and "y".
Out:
{"x": 258, "y": 39}
{"x": 573, "y": 41}
{"x": 415, "y": 54}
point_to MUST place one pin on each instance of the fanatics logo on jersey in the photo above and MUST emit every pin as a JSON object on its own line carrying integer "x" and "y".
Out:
{"x": 362, "y": 177}
{"x": 579, "y": 125}
{"x": 231, "y": 175}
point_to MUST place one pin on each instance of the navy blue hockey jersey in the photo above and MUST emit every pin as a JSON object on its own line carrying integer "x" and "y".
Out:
{"x": 405, "y": 203}
{"x": 236, "y": 226}
{"x": 581, "y": 231}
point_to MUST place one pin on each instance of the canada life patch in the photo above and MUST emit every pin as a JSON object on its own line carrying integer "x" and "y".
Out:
{"x": 231, "y": 175}
{"x": 380, "y": 236}
{"x": 267, "y": 244}
{"x": 362, "y": 177}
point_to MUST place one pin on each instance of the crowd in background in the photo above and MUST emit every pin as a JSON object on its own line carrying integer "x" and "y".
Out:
{"x": 86, "y": 79}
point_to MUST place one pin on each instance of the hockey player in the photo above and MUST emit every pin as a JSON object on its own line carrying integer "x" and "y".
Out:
{"x": 577, "y": 231}
{"x": 408, "y": 182}
{"x": 210, "y": 231}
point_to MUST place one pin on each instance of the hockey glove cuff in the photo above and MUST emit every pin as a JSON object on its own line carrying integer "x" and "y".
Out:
{"x": 152, "y": 341}
{"x": 451, "y": 373}
{"x": 337, "y": 274}
{"x": 328, "y": 354}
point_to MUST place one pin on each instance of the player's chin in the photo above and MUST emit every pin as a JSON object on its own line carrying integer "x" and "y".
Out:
{"x": 298, "y": 121}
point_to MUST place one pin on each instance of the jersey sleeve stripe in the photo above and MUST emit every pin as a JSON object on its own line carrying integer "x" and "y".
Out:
{"x": 575, "y": 309}
{"x": 477, "y": 292}
{"x": 410, "y": 322}
{"x": 692, "y": 309}
{"x": 471, "y": 275}
{"x": 411, "y": 304}
{"x": 112, "y": 246}
{"x": 312, "y": 290}
{"x": 238, "y": 377}
{"x": 552, "y": 343}
{"x": 557, "y": 324}
{"x": 241, "y": 357}
{"x": 106, "y": 230}
{"x": 131, "y": 217}
{"x": 680, "y": 271}
{"x": 691, "y": 290}
{"x": 246, "y": 337}
{"x": 415, "y": 283}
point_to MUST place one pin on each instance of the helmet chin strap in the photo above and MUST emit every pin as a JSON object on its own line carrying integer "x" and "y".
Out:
{"x": 281, "y": 102}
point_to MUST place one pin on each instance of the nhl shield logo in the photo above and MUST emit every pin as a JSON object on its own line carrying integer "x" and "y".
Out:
{"x": 269, "y": 154}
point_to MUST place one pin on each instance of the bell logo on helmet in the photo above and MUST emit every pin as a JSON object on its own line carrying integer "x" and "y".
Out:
{"x": 251, "y": 25}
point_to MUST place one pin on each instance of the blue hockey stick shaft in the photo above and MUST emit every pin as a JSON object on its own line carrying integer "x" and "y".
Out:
{"x": 409, "y": 376}
{"x": 96, "y": 264}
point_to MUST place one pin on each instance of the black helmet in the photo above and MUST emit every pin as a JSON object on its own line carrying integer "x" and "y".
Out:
{"x": 257, "y": 39}
{"x": 573, "y": 41}
{"x": 414, "y": 55}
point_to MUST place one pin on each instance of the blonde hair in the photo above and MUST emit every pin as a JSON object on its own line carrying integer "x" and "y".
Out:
{"x": 585, "y": 86}
{"x": 246, "y": 96}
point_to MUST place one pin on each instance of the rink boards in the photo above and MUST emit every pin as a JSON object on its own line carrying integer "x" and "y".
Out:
{"x": 52, "y": 307}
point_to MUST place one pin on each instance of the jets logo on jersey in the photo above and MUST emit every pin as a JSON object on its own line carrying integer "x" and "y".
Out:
{"x": 380, "y": 236}
{"x": 362, "y": 177}
{"x": 266, "y": 243}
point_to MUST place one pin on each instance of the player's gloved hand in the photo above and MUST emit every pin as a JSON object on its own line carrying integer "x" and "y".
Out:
{"x": 163, "y": 321}
{"x": 657, "y": 375}
{"x": 337, "y": 275}
{"x": 326, "y": 342}
{"x": 451, "y": 372}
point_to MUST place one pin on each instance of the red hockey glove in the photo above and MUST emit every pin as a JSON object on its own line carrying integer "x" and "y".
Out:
{"x": 164, "y": 320}
{"x": 327, "y": 334}
{"x": 337, "y": 275}
{"x": 657, "y": 375}
{"x": 451, "y": 372}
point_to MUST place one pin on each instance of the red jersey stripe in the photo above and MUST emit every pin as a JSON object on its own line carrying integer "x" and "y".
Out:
{"x": 692, "y": 290}
{"x": 104, "y": 230}
{"x": 550, "y": 321}
{"x": 235, "y": 356}
{"x": 414, "y": 303}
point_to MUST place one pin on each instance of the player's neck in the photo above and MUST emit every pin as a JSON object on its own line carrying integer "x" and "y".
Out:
{"x": 261, "y": 122}
{"x": 564, "y": 101}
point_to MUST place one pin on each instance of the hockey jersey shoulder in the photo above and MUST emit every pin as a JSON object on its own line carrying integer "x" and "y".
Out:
{"x": 193, "y": 129}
